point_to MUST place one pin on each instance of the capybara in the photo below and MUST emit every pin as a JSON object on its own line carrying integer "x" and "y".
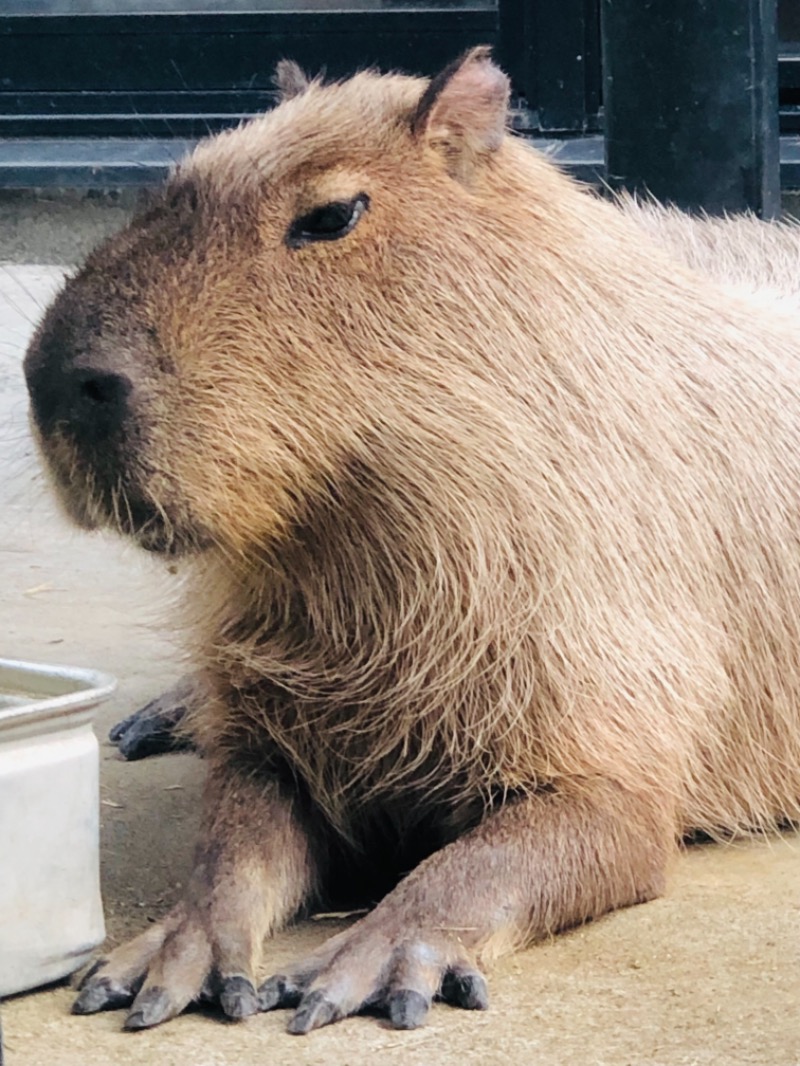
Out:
{"x": 491, "y": 515}
{"x": 738, "y": 250}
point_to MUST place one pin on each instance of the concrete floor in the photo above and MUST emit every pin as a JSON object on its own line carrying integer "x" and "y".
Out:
{"x": 707, "y": 976}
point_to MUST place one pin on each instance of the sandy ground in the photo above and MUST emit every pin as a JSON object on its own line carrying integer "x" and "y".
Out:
{"x": 707, "y": 976}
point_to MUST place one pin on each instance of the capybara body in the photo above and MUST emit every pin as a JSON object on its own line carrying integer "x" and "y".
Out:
{"x": 736, "y": 251}
{"x": 492, "y": 510}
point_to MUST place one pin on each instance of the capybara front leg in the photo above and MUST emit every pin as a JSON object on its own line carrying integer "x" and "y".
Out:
{"x": 253, "y": 870}
{"x": 538, "y": 865}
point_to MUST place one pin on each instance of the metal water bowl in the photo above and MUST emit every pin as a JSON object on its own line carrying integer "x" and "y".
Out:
{"x": 51, "y": 912}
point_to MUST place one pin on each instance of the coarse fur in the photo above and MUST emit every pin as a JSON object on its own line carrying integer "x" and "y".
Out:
{"x": 492, "y": 504}
{"x": 734, "y": 250}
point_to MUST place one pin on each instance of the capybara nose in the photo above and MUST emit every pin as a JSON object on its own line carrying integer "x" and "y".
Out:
{"x": 104, "y": 392}
{"x": 89, "y": 404}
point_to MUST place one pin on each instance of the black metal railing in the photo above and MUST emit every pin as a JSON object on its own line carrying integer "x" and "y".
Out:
{"x": 109, "y": 97}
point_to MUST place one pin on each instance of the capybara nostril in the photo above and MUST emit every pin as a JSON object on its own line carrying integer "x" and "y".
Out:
{"x": 95, "y": 405}
{"x": 105, "y": 390}
{"x": 87, "y": 404}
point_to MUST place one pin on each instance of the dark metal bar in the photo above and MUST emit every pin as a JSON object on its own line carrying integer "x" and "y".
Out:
{"x": 691, "y": 102}
{"x": 565, "y": 40}
{"x": 91, "y": 163}
{"x": 181, "y": 53}
{"x": 174, "y": 75}
{"x": 551, "y": 49}
{"x": 115, "y": 162}
{"x": 108, "y": 163}
{"x": 513, "y": 44}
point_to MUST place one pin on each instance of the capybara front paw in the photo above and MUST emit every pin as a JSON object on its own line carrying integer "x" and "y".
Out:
{"x": 397, "y": 976}
{"x": 161, "y": 972}
{"x": 156, "y": 727}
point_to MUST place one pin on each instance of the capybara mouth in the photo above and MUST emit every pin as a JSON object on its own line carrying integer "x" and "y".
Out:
{"x": 151, "y": 525}
{"x": 161, "y": 537}
{"x": 92, "y": 501}
{"x": 71, "y": 483}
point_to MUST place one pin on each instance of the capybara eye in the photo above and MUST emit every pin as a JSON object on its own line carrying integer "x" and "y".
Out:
{"x": 328, "y": 222}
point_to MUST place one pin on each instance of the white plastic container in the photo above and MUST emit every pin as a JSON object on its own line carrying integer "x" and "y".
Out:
{"x": 51, "y": 913}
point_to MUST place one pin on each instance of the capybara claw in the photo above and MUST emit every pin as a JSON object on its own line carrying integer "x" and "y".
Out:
{"x": 120, "y": 728}
{"x": 407, "y": 1009}
{"x": 466, "y": 989}
{"x": 364, "y": 969}
{"x": 101, "y": 993}
{"x": 278, "y": 992}
{"x": 150, "y": 1008}
{"x": 315, "y": 1010}
{"x": 156, "y": 727}
{"x": 238, "y": 997}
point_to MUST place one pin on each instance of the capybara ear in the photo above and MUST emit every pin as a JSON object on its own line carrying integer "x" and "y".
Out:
{"x": 289, "y": 79}
{"x": 464, "y": 110}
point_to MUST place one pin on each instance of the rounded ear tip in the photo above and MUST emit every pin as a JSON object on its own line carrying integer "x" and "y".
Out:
{"x": 482, "y": 57}
{"x": 289, "y": 79}
{"x": 481, "y": 53}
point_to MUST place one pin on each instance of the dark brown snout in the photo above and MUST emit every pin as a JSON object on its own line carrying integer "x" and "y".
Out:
{"x": 88, "y": 404}
{"x": 82, "y": 404}
{"x": 88, "y": 392}
{"x": 77, "y": 385}
{"x": 75, "y": 389}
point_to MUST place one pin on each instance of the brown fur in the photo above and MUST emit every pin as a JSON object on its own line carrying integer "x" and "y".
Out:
{"x": 495, "y": 505}
{"x": 740, "y": 250}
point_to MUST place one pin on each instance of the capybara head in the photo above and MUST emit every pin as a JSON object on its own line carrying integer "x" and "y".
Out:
{"x": 215, "y": 364}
